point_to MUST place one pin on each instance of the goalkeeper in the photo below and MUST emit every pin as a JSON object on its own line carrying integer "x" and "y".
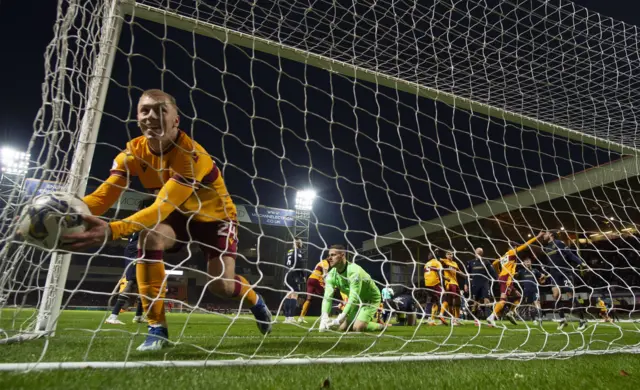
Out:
{"x": 364, "y": 296}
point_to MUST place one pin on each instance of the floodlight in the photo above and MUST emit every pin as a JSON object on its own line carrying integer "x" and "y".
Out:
{"x": 304, "y": 200}
{"x": 14, "y": 162}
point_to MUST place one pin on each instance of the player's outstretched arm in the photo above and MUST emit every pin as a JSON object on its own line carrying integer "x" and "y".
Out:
{"x": 171, "y": 195}
{"x": 355, "y": 287}
{"x": 327, "y": 298}
{"x": 528, "y": 243}
{"x": 108, "y": 193}
{"x": 326, "y": 305}
{"x": 569, "y": 255}
{"x": 100, "y": 200}
{"x": 190, "y": 169}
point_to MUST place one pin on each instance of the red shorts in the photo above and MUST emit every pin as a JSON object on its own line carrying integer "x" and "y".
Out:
{"x": 219, "y": 238}
{"x": 314, "y": 288}
{"x": 453, "y": 289}
{"x": 434, "y": 292}
{"x": 506, "y": 284}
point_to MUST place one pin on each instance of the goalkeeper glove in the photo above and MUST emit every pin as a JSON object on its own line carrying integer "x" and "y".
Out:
{"x": 339, "y": 320}
{"x": 324, "y": 322}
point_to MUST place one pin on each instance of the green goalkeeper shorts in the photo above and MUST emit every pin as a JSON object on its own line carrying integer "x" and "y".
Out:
{"x": 364, "y": 313}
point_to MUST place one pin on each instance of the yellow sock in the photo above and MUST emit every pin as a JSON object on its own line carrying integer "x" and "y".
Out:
{"x": 152, "y": 287}
{"x": 243, "y": 289}
{"x": 445, "y": 306}
{"x": 434, "y": 311}
{"x": 305, "y": 308}
{"x": 456, "y": 312}
{"x": 498, "y": 309}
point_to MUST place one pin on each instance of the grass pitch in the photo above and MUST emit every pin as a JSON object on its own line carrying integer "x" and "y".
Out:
{"x": 83, "y": 336}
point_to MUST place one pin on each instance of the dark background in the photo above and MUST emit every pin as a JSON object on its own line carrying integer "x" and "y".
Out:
{"x": 399, "y": 168}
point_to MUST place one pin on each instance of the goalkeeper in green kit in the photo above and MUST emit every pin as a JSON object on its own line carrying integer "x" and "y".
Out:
{"x": 363, "y": 295}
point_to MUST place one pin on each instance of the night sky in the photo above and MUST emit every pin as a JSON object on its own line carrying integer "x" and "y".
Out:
{"x": 410, "y": 160}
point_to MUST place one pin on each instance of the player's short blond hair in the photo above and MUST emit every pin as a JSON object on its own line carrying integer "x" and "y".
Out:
{"x": 159, "y": 94}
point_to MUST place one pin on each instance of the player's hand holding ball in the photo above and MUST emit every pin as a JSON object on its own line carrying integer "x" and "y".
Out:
{"x": 49, "y": 218}
{"x": 95, "y": 235}
{"x": 61, "y": 220}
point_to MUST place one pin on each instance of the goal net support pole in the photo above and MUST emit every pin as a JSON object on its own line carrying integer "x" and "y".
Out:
{"x": 51, "y": 303}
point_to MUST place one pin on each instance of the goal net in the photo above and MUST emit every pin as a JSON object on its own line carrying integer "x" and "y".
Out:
{"x": 424, "y": 127}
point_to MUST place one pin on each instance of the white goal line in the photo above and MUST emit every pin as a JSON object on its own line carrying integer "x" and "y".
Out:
{"x": 297, "y": 361}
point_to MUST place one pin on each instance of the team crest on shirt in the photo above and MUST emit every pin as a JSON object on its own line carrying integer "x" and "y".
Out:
{"x": 195, "y": 157}
{"x": 143, "y": 166}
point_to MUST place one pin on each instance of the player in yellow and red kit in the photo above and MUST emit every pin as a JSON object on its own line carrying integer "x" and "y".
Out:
{"x": 192, "y": 204}
{"x": 315, "y": 286}
{"x": 605, "y": 311}
{"x": 450, "y": 270}
{"x": 433, "y": 282}
{"x": 507, "y": 266}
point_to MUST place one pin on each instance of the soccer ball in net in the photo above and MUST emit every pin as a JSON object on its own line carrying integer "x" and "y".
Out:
{"x": 51, "y": 216}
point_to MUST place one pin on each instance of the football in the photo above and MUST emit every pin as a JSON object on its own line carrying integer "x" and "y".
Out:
{"x": 49, "y": 217}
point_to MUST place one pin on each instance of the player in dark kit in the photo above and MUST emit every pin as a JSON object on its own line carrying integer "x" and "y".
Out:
{"x": 529, "y": 279}
{"x": 131, "y": 286}
{"x": 293, "y": 259}
{"x": 405, "y": 307}
{"x": 561, "y": 261}
{"x": 481, "y": 275}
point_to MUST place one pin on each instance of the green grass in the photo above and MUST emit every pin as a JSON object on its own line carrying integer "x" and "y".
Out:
{"x": 82, "y": 336}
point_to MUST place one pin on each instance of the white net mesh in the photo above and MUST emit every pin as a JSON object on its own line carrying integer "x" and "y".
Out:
{"x": 428, "y": 125}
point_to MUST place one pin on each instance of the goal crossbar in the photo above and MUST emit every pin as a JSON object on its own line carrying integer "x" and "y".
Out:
{"x": 186, "y": 23}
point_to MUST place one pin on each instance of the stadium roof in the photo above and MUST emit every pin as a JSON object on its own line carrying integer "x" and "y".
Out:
{"x": 582, "y": 203}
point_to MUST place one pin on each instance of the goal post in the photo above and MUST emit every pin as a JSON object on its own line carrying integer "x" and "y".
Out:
{"x": 369, "y": 85}
{"x": 97, "y": 85}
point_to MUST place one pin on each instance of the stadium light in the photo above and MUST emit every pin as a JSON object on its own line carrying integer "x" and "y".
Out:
{"x": 14, "y": 162}
{"x": 174, "y": 272}
{"x": 304, "y": 200}
{"x": 562, "y": 228}
{"x": 611, "y": 218}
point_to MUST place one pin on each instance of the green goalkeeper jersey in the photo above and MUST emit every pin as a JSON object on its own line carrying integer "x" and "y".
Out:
{"x": 353, "y": 282}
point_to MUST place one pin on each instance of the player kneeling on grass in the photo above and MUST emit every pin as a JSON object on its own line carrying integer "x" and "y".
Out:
{"x": 192, "y": 204}
{"x": 405, "y": 307}
{"x": 363, "y": 295}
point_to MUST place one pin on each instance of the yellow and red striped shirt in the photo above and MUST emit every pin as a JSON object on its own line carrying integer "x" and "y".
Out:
{"x": 508, "y": 263}
{"x": 450, "y": 269}
{"x": 185, "y": 175}
{"x": 432, "y": 273}
{"x": 320, "y": 271}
